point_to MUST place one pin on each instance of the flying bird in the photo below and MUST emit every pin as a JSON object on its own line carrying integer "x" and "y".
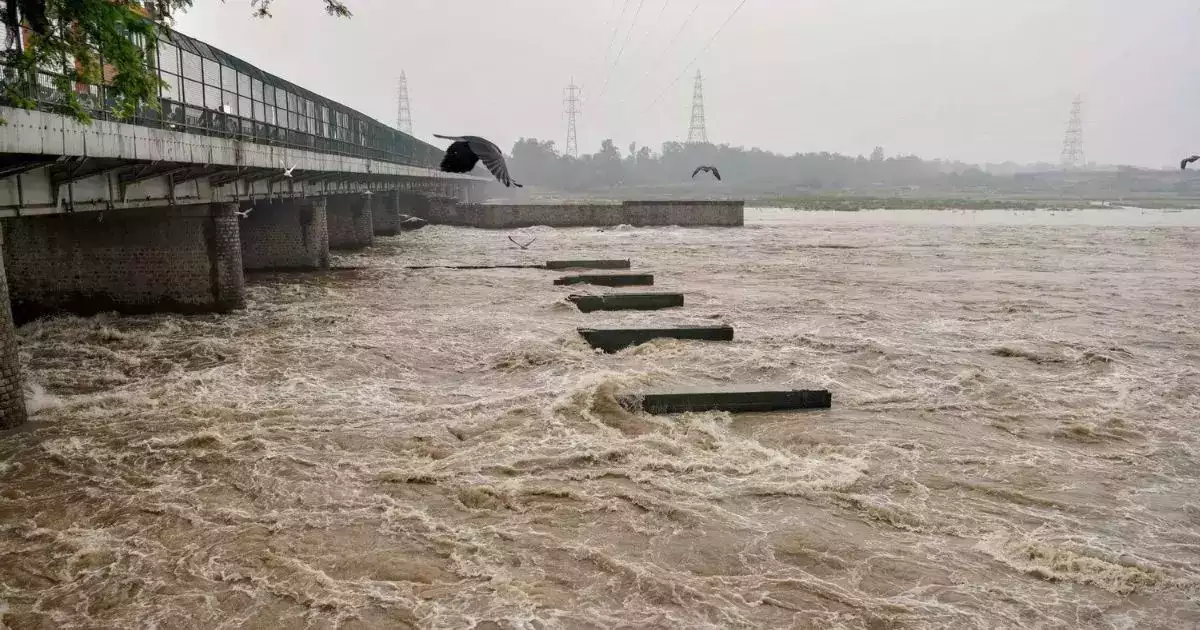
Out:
{"x": 710, "y": 169}
{"x": 287, "y": 172}
{"x": 526, "y": 245}
{"x": 1187, "y": 160}
{"x": 466, "y": 151}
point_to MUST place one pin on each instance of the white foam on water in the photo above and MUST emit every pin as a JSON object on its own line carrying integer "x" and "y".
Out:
{"x": 1012, "y": 442}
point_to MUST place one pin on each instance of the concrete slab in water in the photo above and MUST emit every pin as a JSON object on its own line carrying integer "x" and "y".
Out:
{"x": 609, "y": 279}
{"x": 613, "y": 339}
{"x": 626, "y": 301}
{"x": 733, "y": 399}
{"x": 587, "y": 264}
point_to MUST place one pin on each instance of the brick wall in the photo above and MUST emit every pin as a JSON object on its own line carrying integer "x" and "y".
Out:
{"x": 287, "y": 234}
{"x": 349, "y": 221}
{"x": 12, "y": 397}
{"x": 413, "y": 204}
{"x": 183, "y": 258}
{"x": 385, "y": 213}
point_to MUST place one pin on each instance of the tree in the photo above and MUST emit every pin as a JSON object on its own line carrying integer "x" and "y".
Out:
{"x": 749, "y": 172}
{"x": 110, "y": 42}
{"x": 609, "y": 163}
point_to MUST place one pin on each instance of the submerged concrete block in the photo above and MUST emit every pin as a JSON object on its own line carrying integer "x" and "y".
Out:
{"x": 613, "y": 339}
{"x": 732, "y": 399}
{"x": 626, "y": 301}
{"x": 587, "y": 264}
{"x": 609, "y": 279}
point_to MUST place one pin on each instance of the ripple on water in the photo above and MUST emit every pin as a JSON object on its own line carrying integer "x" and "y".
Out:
{"x": 1012, "y": 443}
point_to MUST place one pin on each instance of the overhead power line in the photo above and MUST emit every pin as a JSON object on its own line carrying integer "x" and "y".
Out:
{"x": 628, "y": 36}
{"x": 612, "y": 39}
{"x": 697, "y": 57}
{"x": 674, "y": 37}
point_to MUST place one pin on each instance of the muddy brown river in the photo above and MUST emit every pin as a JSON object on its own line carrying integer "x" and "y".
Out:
{"x": 1014, "y": 440}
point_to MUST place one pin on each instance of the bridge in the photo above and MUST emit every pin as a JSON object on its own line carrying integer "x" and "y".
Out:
{"x": 237, "y": 170}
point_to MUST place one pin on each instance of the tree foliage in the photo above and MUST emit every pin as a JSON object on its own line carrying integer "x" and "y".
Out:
{"x": 109, "y": 42}
{"x": 744, "y": 171}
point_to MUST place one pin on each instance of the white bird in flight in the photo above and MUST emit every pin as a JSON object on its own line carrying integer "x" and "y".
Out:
{"x": 287, "y": 172}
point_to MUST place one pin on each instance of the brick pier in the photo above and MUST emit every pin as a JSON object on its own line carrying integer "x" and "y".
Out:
{"x": 292, "y": 234}
{"x": 349, "y": 218}
{"x": 184, "y": 258}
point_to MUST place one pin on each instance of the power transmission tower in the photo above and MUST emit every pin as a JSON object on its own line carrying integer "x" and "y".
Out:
{"x": 571, "y": 100}
{"x": 697, "y": 134}
{"x": 403, "y": 114}
{"x": 1072, "y": 149}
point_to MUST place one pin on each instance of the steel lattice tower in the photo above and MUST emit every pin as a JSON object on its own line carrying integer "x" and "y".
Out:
{"x": 403, "y": 113}
{"x": 571, "y": 100}
{"x": 697, "y": 133}
{"x": 1072, "y": 149}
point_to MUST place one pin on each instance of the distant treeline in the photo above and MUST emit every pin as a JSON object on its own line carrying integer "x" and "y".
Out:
{"x": 539, "y": 163}
{"x": 754, "y": 173}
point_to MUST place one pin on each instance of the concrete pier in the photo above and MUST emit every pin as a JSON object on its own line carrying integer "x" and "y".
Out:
{"x": 285, "y": 235}
{"x": 608, "y": 279}
{"x": 182, "y": 258}
{"x": 614, "y": 339}
{"x": 626, "y": 301}
{"x": 12, "y": 397}
{"x": 588, "y": 264}
{"x": 732, "y": 399}
{"x": 349, "y": 221}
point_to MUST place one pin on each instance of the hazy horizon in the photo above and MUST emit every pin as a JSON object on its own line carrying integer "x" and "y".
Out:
{"x": 977, "y": 81}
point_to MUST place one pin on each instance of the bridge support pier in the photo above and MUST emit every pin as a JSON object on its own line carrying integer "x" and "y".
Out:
{"x": 413, "y": 204}
{"x": 385, "y": 213}
{"x": 286, "y": 234}
{"x": 12, "y": 394}
{"x": 349, "y": 220}
{"x": 182, "y": 259}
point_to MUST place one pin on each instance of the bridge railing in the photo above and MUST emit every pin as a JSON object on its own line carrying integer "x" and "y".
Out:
{"x": 211, "y": 92}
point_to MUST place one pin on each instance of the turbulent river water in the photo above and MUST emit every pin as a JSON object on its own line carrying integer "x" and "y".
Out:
{"x": 1014, "y": 440}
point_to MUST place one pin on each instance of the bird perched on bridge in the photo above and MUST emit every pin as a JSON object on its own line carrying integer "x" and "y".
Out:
{"x": 710, "y": 169}
{"x": 466, "y": 151}
{"x": 1187, "y": 160}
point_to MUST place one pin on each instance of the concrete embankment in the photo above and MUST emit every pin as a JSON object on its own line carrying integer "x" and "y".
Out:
{"x": 637, "y": 213}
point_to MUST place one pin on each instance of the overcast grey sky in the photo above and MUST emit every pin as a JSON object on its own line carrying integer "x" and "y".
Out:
{"x": 977, "y": 80}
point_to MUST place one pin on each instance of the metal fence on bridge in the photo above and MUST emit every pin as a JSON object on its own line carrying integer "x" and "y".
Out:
{"x": 212, "y": 92}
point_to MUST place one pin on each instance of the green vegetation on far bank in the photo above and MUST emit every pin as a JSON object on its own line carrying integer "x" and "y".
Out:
{"x": 852, "y": 203}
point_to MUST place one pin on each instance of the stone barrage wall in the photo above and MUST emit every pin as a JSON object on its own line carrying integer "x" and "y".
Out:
{"x": 184, "y": 258}
{"x": 685, "y": 212}
{"x": 637, "y": 213}
{"x": 349, "y": 220}
{"x": 12, "y": 395}
{"x": 287, "y": 234}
